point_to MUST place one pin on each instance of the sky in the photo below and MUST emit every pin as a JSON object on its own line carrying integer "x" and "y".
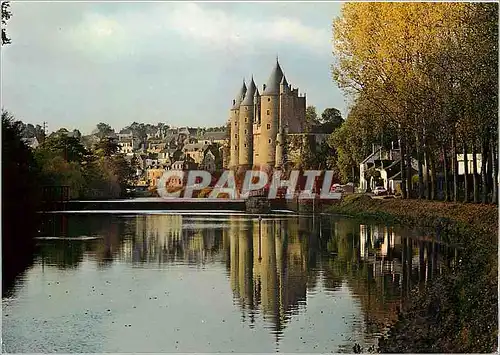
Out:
{"x": 75, "y": 64}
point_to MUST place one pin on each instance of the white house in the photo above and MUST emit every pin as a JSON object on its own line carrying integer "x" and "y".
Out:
{"x": 384, "y": 161}
{"x": 470, "y": 165}
{"x": 126, "y": 146}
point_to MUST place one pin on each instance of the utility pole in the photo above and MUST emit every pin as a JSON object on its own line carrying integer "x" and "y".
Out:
{"x": 44, "y": 128}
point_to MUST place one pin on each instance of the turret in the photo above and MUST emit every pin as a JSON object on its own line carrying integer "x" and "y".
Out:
{"x": 245, "y": 130}
{"x": 234, "y": 118}
{"x": 270, "y": 117}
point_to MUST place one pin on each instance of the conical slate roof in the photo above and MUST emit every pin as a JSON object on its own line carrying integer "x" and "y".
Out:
{"x": 273, "y": 84}
{"x": 249, "y": 94}
{"x": 240, "y": 96}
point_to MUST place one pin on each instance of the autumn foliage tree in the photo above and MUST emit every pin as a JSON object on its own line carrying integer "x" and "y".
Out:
{"x": 428, "y": 74}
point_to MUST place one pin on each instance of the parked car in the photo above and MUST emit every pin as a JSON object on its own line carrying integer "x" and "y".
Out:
{"x": 379, "y": 191}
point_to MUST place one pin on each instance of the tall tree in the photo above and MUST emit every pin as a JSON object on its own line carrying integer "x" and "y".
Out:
{"x": 331, "y": 119}
{"x": 107, "y": 147}
{"x": 20, "y": 200}
{"x": 419, "y": 65}
{"x": 104, "y": 130}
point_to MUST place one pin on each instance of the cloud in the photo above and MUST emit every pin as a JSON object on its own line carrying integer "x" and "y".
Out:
{"x": 75, "y": 64}
{"x": 213, "y": 29}
{"x": 99, "y": 34}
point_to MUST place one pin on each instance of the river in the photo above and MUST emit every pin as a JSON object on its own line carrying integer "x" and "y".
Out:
{"x": 223, "y": 283}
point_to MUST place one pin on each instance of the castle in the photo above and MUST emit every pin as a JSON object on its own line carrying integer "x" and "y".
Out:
{"x": 259, "y": 124}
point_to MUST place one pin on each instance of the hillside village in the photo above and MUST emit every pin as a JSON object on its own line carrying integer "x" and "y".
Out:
{"x": 169, "y": 148}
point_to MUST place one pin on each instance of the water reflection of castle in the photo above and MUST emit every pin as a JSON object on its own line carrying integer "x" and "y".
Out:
{"x": 272, "y": 264}
{"x": 268, "y": 268}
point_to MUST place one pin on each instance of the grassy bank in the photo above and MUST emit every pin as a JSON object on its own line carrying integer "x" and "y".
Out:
{"x": 458, "y": 312}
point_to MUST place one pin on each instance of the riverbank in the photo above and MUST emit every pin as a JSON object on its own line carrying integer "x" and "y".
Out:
{"x": 458, "y": 312}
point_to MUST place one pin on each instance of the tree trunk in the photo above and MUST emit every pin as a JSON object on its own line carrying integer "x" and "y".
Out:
{"x": 484, "y": 176}
{"x": 409, "y": 180}
{"x": 454, "y": 167}
{"x": 402, "y": 145}
{"x": 420, "y": 170}
{"x": 466, "y": 173}
{"x": 433, "y": 177}
{"x": 445, "y": 173}
{"x": 475, "y": 178}
{"x": 428, "y": 179}
{"x": 494, "y": 170}
{"x": 489, "y": 172}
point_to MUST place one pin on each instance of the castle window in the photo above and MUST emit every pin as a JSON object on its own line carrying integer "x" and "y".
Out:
{"x": 235, "y": 136}
{"x": 235, "y": 147}
{"x": 246, "y": 108}
{"x": 245, "y": 145}
{"x": 246, "y": 119}
{"x": 268, "y": 99}
{"x": 268, "y": 126}
{"x": 268, "y": 112}
{"x": 269, "y": 140}
{"x": 245, "y": 131}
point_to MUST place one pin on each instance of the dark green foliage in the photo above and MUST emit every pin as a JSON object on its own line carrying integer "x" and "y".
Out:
{"x": 107, "y": 147}
{"x": 101, "y": 173}
{"x": 104, "y": 130}
{"x": 69, "y": 148}
{"x": 20, "y": 200}
{"x": 331, "y": 119}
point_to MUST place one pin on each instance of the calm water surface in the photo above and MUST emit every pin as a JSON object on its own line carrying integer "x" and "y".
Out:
{"x": 187, "y": 283}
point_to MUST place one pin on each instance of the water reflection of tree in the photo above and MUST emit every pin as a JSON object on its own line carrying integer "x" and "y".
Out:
{"x": 173, "y": 239}
{"x": 109, "y": 232}
{"x": 378, "y": 293}
{"x": 62, "y": 254}
{"x": 380, "y": 276}
{"x": 271, "y": 264}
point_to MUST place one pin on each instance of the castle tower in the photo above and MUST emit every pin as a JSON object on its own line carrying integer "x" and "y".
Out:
{"x": 260, "y": 124}
{"x": 234, "y": 118}
{"x": 256, "y": 125}
{"x": 280, "y": 147}
{"x": 245, "y": 131}
{"x": 284, "y": 104}
{"x": 269, "y": 122}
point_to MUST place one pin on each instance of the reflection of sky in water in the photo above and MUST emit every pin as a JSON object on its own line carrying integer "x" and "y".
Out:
{"x": 172, "y": 283}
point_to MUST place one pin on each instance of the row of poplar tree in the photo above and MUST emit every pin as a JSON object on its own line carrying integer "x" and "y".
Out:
{"x": 426, "y": 75}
